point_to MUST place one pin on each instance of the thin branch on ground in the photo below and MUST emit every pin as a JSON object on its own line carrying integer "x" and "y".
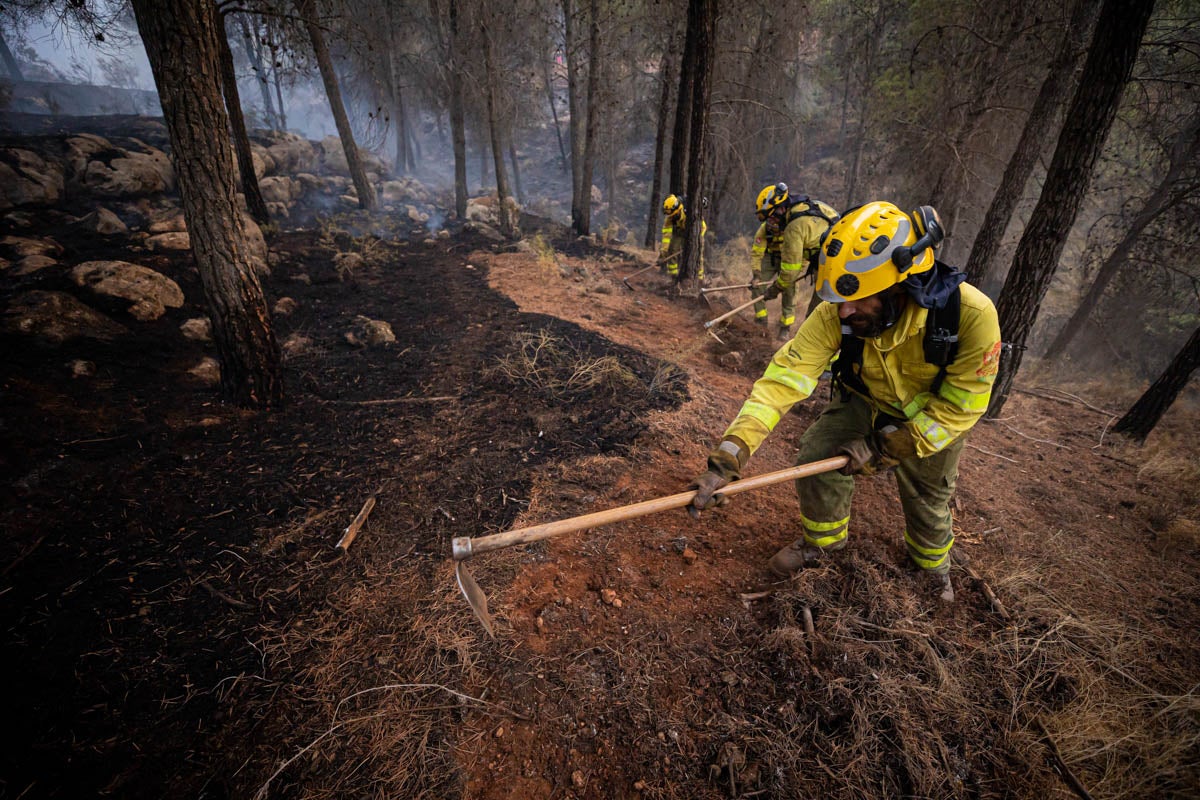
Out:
{"x": 990, "y": 453}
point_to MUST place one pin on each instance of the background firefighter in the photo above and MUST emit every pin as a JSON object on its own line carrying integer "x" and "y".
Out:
{"x": 674, "y": 225}
{"x": 784, "y": 245}
{"x": 897, "y": 404}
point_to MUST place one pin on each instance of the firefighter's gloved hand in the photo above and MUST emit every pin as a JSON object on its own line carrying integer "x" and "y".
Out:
{"x": 867, "y": 455}
{"x": 724, "y": 466}
{"x": 772, "y": 291}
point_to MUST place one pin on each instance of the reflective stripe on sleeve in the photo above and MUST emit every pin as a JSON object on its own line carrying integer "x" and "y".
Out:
{"x": 790, "y": 378}
{"x": 967, "y": 401}
{"x": 788, "y": 266}
{"x": 931, "y": 431}
{"x": 927, "y": 557}
{"x": 761, "y": 412}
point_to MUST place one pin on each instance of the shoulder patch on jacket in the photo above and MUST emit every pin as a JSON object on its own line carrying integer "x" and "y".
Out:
{"x": 991, "y": 362}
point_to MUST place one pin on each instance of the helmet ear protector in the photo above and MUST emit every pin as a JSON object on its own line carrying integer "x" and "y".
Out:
{"x": 929, "y": 227}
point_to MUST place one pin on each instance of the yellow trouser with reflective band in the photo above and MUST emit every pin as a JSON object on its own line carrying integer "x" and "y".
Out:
{"x": 768, "y": 270}
{"x": 926, "y": 487}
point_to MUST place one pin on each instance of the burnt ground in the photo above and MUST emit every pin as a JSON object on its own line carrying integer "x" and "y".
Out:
{"x": 177, "y": 623}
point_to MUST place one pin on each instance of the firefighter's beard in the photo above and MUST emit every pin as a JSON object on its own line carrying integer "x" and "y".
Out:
{"x": 868, "y": 325}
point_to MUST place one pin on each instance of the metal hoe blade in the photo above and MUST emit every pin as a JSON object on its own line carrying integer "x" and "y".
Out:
{"x": 474, "y": 596}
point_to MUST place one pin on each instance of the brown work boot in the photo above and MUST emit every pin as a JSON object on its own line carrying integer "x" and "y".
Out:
{"x": 940, "y": 582}
{"x": 793, "y": 558}
{"x": 785, "y": 333}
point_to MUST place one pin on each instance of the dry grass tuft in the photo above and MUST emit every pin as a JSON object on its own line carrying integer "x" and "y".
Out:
{"x": 553, "y": 369}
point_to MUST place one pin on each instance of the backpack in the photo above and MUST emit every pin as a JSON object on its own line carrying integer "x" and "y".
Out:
{"x": 811, "y": 210}
{"x": 940, "y": 345}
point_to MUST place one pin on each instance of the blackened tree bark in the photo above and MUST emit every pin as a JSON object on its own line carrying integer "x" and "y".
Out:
{"x": 181, "y": 39}
{"x": 1109, "y": 64}
{"x": 1148, "y": 410}
{"x": 660, "y": 143}
{"x": 448, "y": 31}
{"x": 702, "y": 30}
{"x": 1184, "y": 151}
{"x": 241, "y": 140}
{"x": 366, "y": 193}
{"x": 575, "y": 132}
{"x": 680, "y": 136}
{"x": 549, "y": 80}
{"x": 1038, "y": 125}
{"x": 9, "y": 62}
{"x": 581, "y": 213}
{"x": 254, "y": 53}
{"x": 494, "y": 124}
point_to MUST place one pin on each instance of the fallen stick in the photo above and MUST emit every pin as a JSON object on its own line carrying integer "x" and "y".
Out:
{"x": 987, "y": 592}
{"x": 1060, "y": 766}
{"x": 395, "y": 400}
{"x": 1069, "y": 399}
{"x": 354, "y": 527}
{"x": 806, "y": 613}
{"x": 217, "y": 593}
{"x": 990, "y": 453}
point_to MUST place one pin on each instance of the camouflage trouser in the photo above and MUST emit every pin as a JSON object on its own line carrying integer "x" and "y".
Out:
{"x": 926, "y": 488}
{"x": 767, "y": 270}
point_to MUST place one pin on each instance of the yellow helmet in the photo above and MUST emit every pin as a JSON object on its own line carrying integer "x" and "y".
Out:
{"x": 672, "y": 206}
{"x": 874, "y": 247}
{"x": 770, "y": 198}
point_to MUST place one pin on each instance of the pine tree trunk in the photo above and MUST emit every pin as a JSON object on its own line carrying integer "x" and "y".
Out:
{"x": 398, "y": 121}
{"x": 574, "y": 102}
{"x": 9, "y": 62}
{"x": 581, "y": 217}
{"x": 241, "y": 140}
{"x": 549, "y": 79}
{"x": 702, "y": 30}
{"x": 1148, "y": 410}
{"x": 1184, "y": 151}
{"x": 981, "y": 262}
{"x": 680, "y": 134}
{"x": 494, "y": 124}
{"x": 516, "y": 168}
{"x": 181, "y": 39}
{"x": 660, "y": 142}
{"x": 458, "y": 124}
{"x": 1109, "y": 64}
{"x": 366, "y": 193}
{"x": 254, "y": 53}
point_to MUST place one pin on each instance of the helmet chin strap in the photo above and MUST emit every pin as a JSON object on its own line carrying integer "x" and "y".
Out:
{"x": 892, "y": 306}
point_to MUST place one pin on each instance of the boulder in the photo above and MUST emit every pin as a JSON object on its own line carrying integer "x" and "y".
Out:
{"x": 150, "y": 293}
{"x": 101, "y": 169}
{"x": 285, "y": 307}
{"x": 175, "y": 223}
{"x": 334, "y": 158}
{"x": 295, "y": 345}
{"x": 104, "y": 222}
{"x": 207, "y": 372}
{"x": 264, "y": 164}
{"x": 31, "y": 264}
{"x": 416, "y": 216}
{"x": 335, "y": 184}
{"x": 484, "y": 230}
{"x": 56, "y": 317}
{"x": 347, "y": 263}
{"x": 197, "y": 329}
{"x": 175, "y": 240}
{"x": 279, "y": 210}
{"x": 256, "y": 246}
{"x": 292, "y": 153}
{"x": 280, "y": 189}
{"x": 367, "y": 332}
{"x": 22, "y": 246}
{"x": 309, "y": 182}
{"x": 28, "y": 179}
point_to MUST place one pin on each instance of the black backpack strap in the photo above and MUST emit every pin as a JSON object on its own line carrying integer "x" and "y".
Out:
{"x": 941, "y": 337}
{"x": 846, "y": 368}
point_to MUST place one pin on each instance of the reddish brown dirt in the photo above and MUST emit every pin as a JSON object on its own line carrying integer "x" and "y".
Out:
{"x": 175, "y": 621}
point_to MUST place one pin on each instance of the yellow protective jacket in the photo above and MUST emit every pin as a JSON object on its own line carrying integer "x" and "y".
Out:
{"x": 894, "y": 369}
{"x": 668, "y": 233}
{"x": 797, "y": 242}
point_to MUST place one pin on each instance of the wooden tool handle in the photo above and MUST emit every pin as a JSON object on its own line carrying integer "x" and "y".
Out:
{"x": 464, "y": 546}
{"x": 729, "y": 314}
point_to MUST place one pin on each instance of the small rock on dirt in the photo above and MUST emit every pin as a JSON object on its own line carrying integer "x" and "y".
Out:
{"x": 578, "y": 779}
{"x": 610, "y": 598}
{"x": 731, "y": 359}
{"x": 104, "y": 222}
{"x": 57, "y": 317}
{"x": 689, "y": 555}
{"x": 295, "y": 345}
{"x": 369, "y": 332}
{"x": 285, "y": 307}
{"x": 347, "y": 264}
{"x": 207, "y": 372}
{"x": 175, "y": 240}
{"x": 81, "y": 369}
{"x": 31, "y": 264}
{"x": 198, "y": 329}
{"x": 150, "y": 292}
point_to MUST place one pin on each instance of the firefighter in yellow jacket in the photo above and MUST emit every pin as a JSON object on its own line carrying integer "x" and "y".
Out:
{"x": 674, "y": 225}
{"x": 791, "y": 231}
{"x": 918, "y": 353}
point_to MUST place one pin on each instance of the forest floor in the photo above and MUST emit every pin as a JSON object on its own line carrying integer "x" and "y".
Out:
{"x": 176, "y": 621}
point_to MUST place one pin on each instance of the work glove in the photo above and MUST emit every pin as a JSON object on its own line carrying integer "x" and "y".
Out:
{"x": 772, "y": 291}
{"x": 877, "y": 451}
{"x": 724, "y": 465}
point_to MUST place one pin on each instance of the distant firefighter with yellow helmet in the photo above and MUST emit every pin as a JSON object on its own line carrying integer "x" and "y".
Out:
{"x": 674, "y": 225}
{"x": 784, "y": 245}
{"x": 917, "y": 353}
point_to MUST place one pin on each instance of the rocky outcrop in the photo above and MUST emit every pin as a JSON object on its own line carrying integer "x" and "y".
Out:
{"x": 55, "y": 317}
{"x": 17, "y": 247}
{"x": 98, "y": 168}
{"x": 150, "y": 293}
{"x": 104, "y": 222}
{"x": 290, "y": 152}
{"x": 28, "y": 179}
{"x": 334, "y": 158}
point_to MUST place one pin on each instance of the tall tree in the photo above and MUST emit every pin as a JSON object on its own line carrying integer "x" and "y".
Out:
{"x": 10, "y": 63}
{"x": 1184, "y": 151}
{"x": 581, "y": 212}
{"x": 680, "y": 136}
{"x": 702, "y": 30}
{"x": 253, "y": 46}
{"x": 572, "y": 53}
{"x": 660, "y": 142}
{"x": 1038, "y": 126}
{"x": 181, "y": 39}
{"x": 237, "y": 121}
{"x": 1109, "y": 64}
{"x": 366, "y": 193}
{"x": 491, "y": 88}
{"x": 1141, "y": 418}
